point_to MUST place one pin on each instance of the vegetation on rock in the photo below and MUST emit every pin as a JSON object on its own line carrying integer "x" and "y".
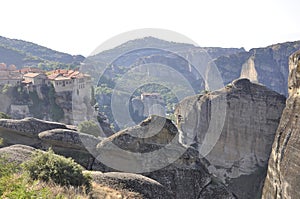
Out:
{"x": 4, "y": 116}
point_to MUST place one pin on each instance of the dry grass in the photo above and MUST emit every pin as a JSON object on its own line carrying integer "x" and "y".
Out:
{"x": 59, "y": 192}
{"x": 99, "y": 191}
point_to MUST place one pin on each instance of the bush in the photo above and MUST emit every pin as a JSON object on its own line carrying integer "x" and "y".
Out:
{"x": 4, "y": 116}
{"x": 49, "y": 167}
{"x": 15, "y": 185}
{"x": 89, "y": 127}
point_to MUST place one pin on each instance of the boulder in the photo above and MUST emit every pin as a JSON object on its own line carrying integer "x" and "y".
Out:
{"x": 283, "y": 178}
{"x": 69, "y": 139}
{"x": 17, "y": 153}
{"x": 234, "y": 129}
{"x": 25, "y": 131}
{"x": 69, "y": 143}
{"x": 31, "y": 126}
{"x": 145, "y": 187}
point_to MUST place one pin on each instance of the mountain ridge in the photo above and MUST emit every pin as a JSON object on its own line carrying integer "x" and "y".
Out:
{"x": 27, "y": 54}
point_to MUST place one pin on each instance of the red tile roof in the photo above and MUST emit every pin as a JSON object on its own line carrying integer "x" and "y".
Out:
{"x": 67, "y": 74}
{"x": 31, "y": 74}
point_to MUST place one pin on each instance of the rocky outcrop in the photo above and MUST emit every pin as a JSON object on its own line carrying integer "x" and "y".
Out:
{"x": 69, "y": 138}
{"x": 234, "y": 129}
{"x": 145, "y": 187}
{"x": 188, "y": 177}
{"x": 70, "y": 143}
{"x": 153, "y": 148}
{"x": 249, "y": 71}
{"x": 26, "y": 131}
{"x": 63, "y": 139}
{"x": 17, "y": 153}
{"x": 31, "y": 126}
{"x": 106, "y": 185}
{"x": 283, "y": 179}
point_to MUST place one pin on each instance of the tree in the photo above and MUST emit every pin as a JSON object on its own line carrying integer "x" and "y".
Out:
{"x": 89, "y": 127}
{"x": 93, "y": 99}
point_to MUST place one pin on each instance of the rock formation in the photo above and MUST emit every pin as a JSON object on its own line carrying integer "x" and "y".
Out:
{"x": 146, "y": 187}
{"x": 267, "y": 66}
{"x": 234, "y": 129}
{"x": 107, "y": 185}
{"x": 283, "y": 179}
{"x": 63, "y": 139}
{"x": 170, "y": 163}
{"x": 17, "y": 153}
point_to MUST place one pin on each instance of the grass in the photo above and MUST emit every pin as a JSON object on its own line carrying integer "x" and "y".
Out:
{"x": 17, "y": 181}
{"x": 50, "y": 176}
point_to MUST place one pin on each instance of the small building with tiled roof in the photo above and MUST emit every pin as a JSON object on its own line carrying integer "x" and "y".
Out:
{"x": 69, "y": 80}
{"x": 8, "y": 76}
{"x": 11, "y": 79}
{"x": 35, "y": 79}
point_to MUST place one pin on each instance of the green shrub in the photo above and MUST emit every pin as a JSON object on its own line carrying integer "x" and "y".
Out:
{"x": 4, "y": 116}
{"x": 15, "y": 185}
{"x": 49, "y": 167}
{"x": 89, "y": 127}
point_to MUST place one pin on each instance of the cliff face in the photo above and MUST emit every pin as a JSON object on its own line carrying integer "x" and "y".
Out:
{"x": 283, "y": 179}
{"x": 239, "y": 154}
{"x": 267, "y": 66}
{"x": 44, "y": 103}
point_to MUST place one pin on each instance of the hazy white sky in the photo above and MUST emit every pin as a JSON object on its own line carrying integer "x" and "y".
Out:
{"x": 78, "y": 27}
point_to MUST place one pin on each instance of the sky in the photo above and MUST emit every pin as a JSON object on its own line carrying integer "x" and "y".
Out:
{"x": 79, "y": 27}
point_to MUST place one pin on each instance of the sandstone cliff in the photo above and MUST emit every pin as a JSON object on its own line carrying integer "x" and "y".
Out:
{"x": 283, "y": 179}
{"x": 44, "y": 103}
{"x": 234, "y": 129}
{"x": 267, "y": 65}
